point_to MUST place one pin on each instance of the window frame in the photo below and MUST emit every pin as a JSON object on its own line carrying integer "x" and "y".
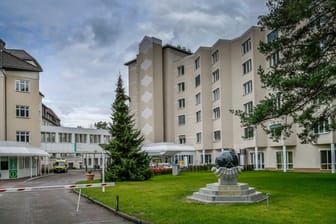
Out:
{"x": 197, "y": 63}
{"x": 217, "y": 136}
{"x": 214, "y": 57}
{"x": 215, "y": 94}
{"x": 198, "y": 80}
{"x": 247, "y": 66}
{"x": 246, "y": 46}
{"x": 198, "y": 99}
{"x": 198, "y": 116}
{"x": 181, "y": 87}
{"x": 23, "y": 136}
{"x": 181, "y": 119}
{"x": 247, "y": 88}
{"x": 22, "y": 111}
{"x": 215, "y": 76}
{"x": 181, "y": 103}
{"x": 22, "y": 85}
{"x": 180, "y": 70}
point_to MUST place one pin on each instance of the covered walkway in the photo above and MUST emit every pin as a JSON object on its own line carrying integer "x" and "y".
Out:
{"x": 167, "y": 152}
{"x": 19, "y": 160}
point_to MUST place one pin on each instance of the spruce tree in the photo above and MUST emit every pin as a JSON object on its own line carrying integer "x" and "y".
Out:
{"x": 127, "y": 161}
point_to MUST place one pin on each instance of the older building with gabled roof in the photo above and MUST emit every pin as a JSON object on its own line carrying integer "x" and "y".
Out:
{"x": 20, "y": 114}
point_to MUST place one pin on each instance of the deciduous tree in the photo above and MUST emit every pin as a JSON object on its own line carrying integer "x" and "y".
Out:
{"x": 301, "y": 81}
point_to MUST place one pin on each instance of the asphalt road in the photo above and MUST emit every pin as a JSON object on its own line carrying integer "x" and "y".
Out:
{"x": 52, "y": 206}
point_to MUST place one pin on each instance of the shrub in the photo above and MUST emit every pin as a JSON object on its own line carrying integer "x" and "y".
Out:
{"x": 161, "y": 170}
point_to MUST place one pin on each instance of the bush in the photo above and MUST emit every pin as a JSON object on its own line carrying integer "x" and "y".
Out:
{"x": 161, "y": 171}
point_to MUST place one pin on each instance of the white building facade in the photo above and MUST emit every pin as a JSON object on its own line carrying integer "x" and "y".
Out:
{"x": 81, "y": 147}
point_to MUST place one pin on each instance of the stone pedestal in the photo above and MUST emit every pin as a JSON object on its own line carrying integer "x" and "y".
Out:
{"x": 237, "y": 193}
{"x": 227, "y": 190}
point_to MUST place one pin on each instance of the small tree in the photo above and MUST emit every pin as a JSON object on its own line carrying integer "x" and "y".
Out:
{"x": 101, "y": 125}
{"x": 127, "y": 161}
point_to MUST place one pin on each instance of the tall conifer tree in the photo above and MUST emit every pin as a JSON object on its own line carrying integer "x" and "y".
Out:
{"x": 127, "y": 162}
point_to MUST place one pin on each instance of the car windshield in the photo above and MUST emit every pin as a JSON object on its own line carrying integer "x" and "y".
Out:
{"x": 60, "y": 164}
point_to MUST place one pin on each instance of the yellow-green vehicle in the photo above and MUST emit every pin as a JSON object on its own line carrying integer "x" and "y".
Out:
{"x": 60, "y": 166}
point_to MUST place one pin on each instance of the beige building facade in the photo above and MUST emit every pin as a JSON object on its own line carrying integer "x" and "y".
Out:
{"x": 183, "y": 97}
{"x": 20, "y": 114}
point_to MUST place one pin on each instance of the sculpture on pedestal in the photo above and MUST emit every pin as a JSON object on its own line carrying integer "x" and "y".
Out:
{"x": 227, "y": 169}
{"x": 227, "y": 190}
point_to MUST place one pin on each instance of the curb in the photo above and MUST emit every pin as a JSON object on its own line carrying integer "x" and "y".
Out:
{"x": 37, "y": 177}
{"x": 119, "y": 213}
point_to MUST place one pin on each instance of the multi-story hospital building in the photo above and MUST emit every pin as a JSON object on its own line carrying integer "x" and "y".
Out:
{"x": 183, "y": 97}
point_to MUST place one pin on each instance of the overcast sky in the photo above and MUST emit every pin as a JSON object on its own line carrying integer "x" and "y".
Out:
{"x": 82, "y": 45}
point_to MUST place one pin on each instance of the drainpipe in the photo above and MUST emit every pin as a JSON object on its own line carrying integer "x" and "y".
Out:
{"x": 2, "y": 47}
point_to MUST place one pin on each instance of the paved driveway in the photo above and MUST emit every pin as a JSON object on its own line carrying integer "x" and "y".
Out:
{"x": 53, "y": 206}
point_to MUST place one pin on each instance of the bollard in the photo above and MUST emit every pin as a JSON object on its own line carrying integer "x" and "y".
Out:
{"x": 268, "y": 195}
{"x": 117, "y": 202}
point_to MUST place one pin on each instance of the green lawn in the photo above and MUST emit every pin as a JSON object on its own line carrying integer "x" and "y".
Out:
{"x": 295, "y": 198}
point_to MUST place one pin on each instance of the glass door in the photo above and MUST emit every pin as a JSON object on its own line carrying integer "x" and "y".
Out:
{"x": 12, "y": 167}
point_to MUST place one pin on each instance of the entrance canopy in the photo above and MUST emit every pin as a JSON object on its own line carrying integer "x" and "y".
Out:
{"x": 20, "y": 149}
{"x": 166, "y": 148}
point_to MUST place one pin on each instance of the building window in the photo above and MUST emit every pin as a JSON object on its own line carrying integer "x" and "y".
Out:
{"x": 215, "y": 94}
{"x": 180, "y": 70}
{"x": 180, "y": 87}
{"x": 22, "y": 85}
{"x": 48, "y": 137}
{"x": 279, "y": 160}
{"x": 215, "y": 76}
{"x": 197, "y": 63}
{"x": 261, "y": 160}
{"x": 64, "y": 137}
{"x": 248, "y": 133}
{"x": 22, "y": 136}
{"x": 197, "y": 80}
{"x": 322, "y": 127}
{"x": 94, "y": 139}
{"x": 4, "y": 163}
{"x": 198, "y": 116}
{"x": 273, "y": 59}
{"x": 22, "y": 111}
{"x": 272, "y": 36}
{"x": 247, "y": 86}
{"x": 199, "y": 137}
{"x": 246, "y": 46}
{"x": 216, "y": 113}
{"x": 198, "y": 98}
{"x": 248, "y": 107}
{"x": 181, "y": 120}
{"x": 207, "y": 159}
{"x": 80, "y": 138}
{"x": 217, "y": 136}
{"x": 214, "y": 57}
{"x": 106, "y": 139}
{"x": 326, "y": 159}
{"x": 181, "y": 103}
{"x": 247, "y": 66}
{"x": 182, "y": 139}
